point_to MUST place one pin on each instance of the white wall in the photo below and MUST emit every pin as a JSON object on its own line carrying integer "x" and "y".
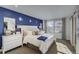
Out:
{"x": 69, "y": 29}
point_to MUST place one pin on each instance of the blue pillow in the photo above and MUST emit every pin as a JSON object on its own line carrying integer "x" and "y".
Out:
{"x": 43, "y": 38}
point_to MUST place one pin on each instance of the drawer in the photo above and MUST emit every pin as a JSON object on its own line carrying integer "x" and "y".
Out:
{"x": 12, "y": 45}
{"x": 11, "y": 39}
{"x": 12, "y": 42}
{"x": 6, "y": 39}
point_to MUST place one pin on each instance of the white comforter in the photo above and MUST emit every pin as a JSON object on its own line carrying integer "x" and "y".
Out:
{"x": 43, "y": 45}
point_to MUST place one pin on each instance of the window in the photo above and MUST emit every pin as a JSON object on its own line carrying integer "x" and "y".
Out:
{"x": 58, "y": 26}
{"x": 55, "y": 27}
{"x": 50, "y": 26}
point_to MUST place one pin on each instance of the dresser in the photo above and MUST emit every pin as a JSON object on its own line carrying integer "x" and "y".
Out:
{"x": 11, "y": 41}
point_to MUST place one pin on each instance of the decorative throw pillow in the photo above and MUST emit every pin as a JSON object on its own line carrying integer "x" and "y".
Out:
{"x": 34, "y": 32}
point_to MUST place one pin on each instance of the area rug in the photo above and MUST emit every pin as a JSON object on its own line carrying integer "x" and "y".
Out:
{"x": 62, "y": 49}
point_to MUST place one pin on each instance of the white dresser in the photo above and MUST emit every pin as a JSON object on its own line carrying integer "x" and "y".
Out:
{"x": 11, "y": 41}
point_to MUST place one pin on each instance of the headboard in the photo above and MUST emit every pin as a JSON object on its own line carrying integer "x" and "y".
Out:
{"x": 30, "y": 28}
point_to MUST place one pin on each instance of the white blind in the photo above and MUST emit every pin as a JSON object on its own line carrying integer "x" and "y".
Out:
{"x": 55, "y": 27}
{"x": 58, "y": 26}
{"x": 50, "y": 26}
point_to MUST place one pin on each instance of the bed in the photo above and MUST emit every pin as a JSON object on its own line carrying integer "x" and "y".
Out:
{"x": 28, "y": 37}
{"x": 42, "y": 45}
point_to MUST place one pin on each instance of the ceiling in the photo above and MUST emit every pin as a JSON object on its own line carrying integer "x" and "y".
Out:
{"x": 44, "y": 12}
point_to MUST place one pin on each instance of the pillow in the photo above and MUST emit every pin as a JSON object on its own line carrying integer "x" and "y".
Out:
{"x": 34, "y": 32}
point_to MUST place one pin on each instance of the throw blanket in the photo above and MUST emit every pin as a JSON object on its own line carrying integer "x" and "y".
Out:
{"x": 43, "y": 38}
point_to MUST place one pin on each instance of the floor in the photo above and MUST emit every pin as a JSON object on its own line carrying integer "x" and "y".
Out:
{"x": 58, "y": 47}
